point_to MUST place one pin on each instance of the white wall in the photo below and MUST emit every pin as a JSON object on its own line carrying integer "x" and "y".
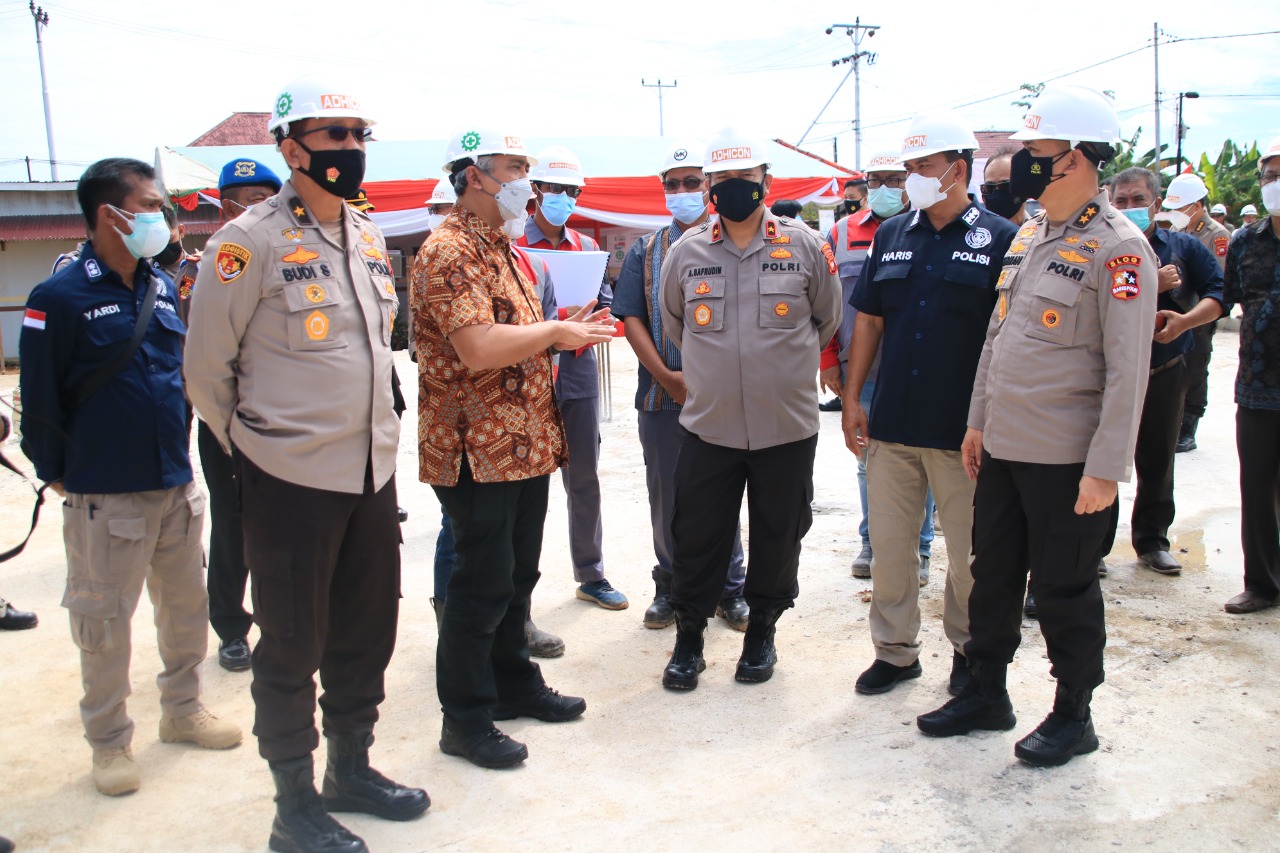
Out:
{"x": 23, "y": 265}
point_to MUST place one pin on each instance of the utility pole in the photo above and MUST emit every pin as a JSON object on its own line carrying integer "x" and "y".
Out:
{"x": 660, "y": 86}
{"x": 856, "y": 31}
{"x": 1182, "y": 129}
{"x": 42, "y": 20}
{"x": 1155, "y": 32}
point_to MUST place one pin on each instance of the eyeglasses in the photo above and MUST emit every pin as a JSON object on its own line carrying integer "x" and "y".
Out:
{"x": 1270, "y": 178}
{"x": 339, "y": 134}
{"x": 689, "y": 184}
{"x": 891, "y": 183}
{"x": 997, "y": 186}
{"x": 555, "y": 189}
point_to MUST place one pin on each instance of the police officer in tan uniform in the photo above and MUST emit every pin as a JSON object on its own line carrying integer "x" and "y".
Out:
{"x": 289, "y": 364}
{"x": 1053, "y": 424}
{"x": 1185, "y": 210}
{"x": 751, "y": 300}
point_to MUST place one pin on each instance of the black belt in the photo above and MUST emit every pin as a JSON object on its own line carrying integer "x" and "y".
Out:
{"x": 1169, "y": 365}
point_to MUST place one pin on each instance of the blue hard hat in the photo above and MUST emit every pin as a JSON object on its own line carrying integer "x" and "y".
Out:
{"x": 240, "y": 173}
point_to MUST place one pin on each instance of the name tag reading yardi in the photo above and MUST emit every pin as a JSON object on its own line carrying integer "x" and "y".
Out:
{"x": 575, "y": 276}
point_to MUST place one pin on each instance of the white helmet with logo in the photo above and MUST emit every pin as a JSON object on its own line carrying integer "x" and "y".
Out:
{"x": 730, "y": 150}
{"x": 313, "y": 96}
{"x": 473, "y": 140}
{"x": 1272, "y": 150}
{"x": 558, "y": 165}
{"x": 687, "y": 153}
{"x": 934, "y": 132}
{"x": 1072, "y": 113}
{"x": 884, "y": 161}
{"x": 443, "y": 193}
{"x": 1183, "y": 190}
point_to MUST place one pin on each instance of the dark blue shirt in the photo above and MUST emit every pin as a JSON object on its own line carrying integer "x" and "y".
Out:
{"x": 1200, "y": 274}
{"x": 935, "y": 291}
{"x": 129, "y": 436}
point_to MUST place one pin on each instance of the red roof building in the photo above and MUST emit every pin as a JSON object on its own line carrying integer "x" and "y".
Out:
{"x": 238, "y": 129}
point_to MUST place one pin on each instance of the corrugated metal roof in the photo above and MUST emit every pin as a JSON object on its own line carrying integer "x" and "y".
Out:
{"x": 70, "y": 226}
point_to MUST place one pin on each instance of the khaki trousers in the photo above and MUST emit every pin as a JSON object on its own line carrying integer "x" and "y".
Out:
{"x": 898, "y": 477}
{"x": 115, "y": 542}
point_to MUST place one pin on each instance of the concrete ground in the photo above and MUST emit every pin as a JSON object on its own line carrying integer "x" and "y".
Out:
{"x": 1190, "y": 756}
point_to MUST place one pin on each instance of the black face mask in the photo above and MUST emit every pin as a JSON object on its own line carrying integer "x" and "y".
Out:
{"x": 737, "y": 198}
{"x": 169, "y": 254}
{"x": 1002, "y": 202}
{"x": 852, "y": 205}
{"x": 1030, "y": 176}
{"x": 338, "y": 171}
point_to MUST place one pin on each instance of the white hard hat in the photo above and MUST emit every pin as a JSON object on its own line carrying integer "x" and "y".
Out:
{"x": 474, "y": 140}
{"x": 557, "y": 165}
{"x": 1183, "y": 190}
{"x": 1218, "y": 208}
{"x": 1072, "y": 113}
{"x": 884, "y": 161}
{"x": 443, "y": 193}
{"x": 1272, "y": 150}
{"x": 314, "y": 96}
{"x": 934, "y": 132}
{"x": 687, "y": 153}
{"x": 1248, "y": 210}
{"x": 730, "y": 150}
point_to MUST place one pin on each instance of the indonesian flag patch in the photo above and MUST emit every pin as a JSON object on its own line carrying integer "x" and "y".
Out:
{"x": 33, "y": 319}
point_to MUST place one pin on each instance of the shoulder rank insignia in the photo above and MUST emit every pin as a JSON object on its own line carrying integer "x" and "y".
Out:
{"x": 299, "y": 212}
{"x": 715, "y": 233}
{"x": 1086, "y": 215}
{"x": 770, "y": 229}
{"x": 1199, "y": 226}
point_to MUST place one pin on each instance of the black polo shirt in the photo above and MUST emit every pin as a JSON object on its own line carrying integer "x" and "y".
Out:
{"x": 935, "y": 291}
{"x": 1200, "y": 275}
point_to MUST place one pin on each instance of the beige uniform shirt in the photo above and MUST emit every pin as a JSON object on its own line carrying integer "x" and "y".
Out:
{"x": 1213, "y": 237}
{"x": 750, "y": 325}
{"x": 288, "y": 355}
{"x": 1064, "y": 370}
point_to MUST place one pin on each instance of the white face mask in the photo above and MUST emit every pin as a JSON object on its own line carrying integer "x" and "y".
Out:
{"x": 1271, "y": 197}
{"x": 926, "y": 192}
{"x": 1176, "y": 219}
{"x": 434, "y": 220}
{"x": 512, "y": 197}
{"x": 514, "y": 228}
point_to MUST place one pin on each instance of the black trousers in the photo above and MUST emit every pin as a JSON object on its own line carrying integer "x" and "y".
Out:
{"x": 483, "y": 655}
{"x": 1153, "y": 457}
{"x": 1258, "y": 444}
{"x": 1197, "y": 397}
{"x": 228, "y": 575}
{"x": 709, "y": 482}
{"x": 326, "y": 597}
{"x": 1024, "y": 513}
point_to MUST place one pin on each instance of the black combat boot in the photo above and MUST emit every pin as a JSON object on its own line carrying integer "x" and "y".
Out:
{"x": 351, "y": 785}
{"x": 686, "y": 660}
{"x": 982, "y": 704}
{"x": 302, "y": 824}
{"x": 758, "y": 652}
{"x": 660, "y": 614}
{"x": 1065, "y": 733}
{"x": 1187, "y": 435}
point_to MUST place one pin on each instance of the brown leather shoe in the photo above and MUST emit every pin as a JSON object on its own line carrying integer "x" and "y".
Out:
{"x": 1249, "y": 602}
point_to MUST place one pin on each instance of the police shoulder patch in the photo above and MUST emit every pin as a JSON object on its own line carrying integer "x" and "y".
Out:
{"x": 831, "y": 258}
{"x": 231, "y": 261}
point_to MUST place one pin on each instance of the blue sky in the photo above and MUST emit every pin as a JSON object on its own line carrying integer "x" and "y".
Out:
{"x": 127, "y": 76}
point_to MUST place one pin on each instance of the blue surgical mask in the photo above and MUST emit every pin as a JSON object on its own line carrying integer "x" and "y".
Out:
{"x": 1139, "y": 216}
{"x": 885, "y": 201}
{"x": 686, "y": 207}
{"x": 557, "y": 208}
{"x": 149, "y": 236}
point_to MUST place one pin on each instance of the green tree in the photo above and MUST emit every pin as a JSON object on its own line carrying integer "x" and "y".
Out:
{"x": 1232, "y": 178}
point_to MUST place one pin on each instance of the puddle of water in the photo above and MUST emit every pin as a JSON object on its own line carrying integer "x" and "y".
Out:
{"x": 1188, "y": 549}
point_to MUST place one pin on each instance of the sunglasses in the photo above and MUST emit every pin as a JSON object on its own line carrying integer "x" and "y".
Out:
{"x": 340, "y": 134}
{"x": 690, "y": 184}
{"x": 998, "y": 186}
{"x": 556, "y": 189}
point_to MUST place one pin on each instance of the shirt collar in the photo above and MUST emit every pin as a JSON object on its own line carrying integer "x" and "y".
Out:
{"x": 95, "y": 270}
{"x": 968, "y": 218}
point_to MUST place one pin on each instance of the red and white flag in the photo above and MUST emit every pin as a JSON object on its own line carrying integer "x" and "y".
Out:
{"x": 33, "y": 319}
